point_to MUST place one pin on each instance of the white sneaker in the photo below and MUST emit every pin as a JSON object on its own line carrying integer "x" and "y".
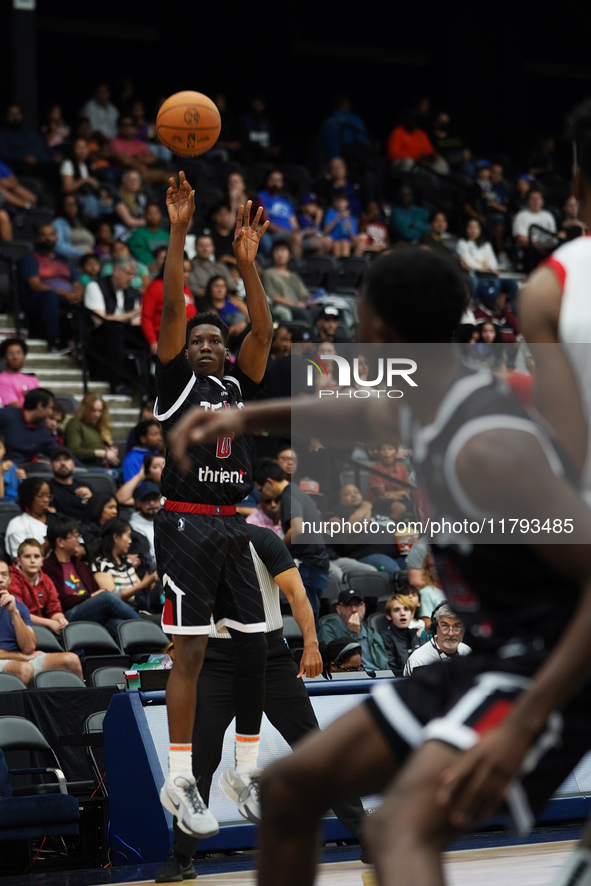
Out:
{"x": 243, "y": 789}
{"x": 179, "y": 795}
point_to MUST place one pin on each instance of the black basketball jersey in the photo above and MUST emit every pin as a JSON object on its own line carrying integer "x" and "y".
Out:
{"x": 221, "y": 472}
{"x": 503, "y": 592}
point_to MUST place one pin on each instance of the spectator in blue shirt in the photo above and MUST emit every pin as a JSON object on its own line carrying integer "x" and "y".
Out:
{"x": 283, "y": 223}
{"x": 409, "y": 222}
{"x": 73, "y": 238}
{"x": 21, "y": 146}
{"x": 341, "y": 129}
{"x": 341, "y": 226}
{"x": 24, "y": 429}
{"x": 149, "y": 440}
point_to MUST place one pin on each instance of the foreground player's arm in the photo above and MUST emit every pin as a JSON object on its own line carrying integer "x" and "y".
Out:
{"x": 290, "y": 582}
{"x": 475, "y": 786}
{"x": 557, "y": 390}
{"x": 254, "y": 351}
{"x": 336, "y": 422}
{"x": 173, "y": 329}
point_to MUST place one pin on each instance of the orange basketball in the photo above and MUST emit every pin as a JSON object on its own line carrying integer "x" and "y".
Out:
{"x": 188, "y": 123}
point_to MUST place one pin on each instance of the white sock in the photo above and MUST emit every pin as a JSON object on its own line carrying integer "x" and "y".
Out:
{"x": 180, "y": 760}
{"x": 576, "y": 871}
{"x": 247, "y": 752}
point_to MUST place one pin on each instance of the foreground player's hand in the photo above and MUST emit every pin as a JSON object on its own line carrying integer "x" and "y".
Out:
{"x": 474, "y": 786}
{"x": 180, "y": 201}
{"x": 246, "y": 235}
{"x": 310, "y": 663}
{"x": 200, "y": 426}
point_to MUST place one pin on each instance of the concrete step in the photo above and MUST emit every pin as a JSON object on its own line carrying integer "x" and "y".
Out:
{"x": 37, "y": 346}
{"x": 114, "y": 401}
{"x": 36, "y": 362}
{"x": 76, "y": 388}
{"x": 47, "y": 376}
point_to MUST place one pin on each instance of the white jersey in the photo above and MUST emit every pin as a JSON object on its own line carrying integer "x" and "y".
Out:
{"x": 572, "y": 265}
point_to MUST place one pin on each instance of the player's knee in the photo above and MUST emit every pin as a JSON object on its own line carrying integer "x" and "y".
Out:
{"x": 23, "y": 670}
{"x": 189, "y": 654}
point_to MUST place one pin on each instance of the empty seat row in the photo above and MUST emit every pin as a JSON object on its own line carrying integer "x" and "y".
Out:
{"x": 134, "y": 637}
{"x": 59, "y": 679}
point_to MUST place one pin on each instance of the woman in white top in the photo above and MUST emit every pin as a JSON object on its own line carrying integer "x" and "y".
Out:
{"x": 75, "y": 173}
{"x": 34, "y": 498}
{"x": 474, "y": 252}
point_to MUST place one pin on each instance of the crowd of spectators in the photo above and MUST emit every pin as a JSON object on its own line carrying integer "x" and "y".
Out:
{"x": 94, "y": 276}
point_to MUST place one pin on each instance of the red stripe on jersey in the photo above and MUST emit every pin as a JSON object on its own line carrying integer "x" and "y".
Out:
{"x": 559, "y": 270}
{"x": 187, "y": 507}
{"x": 167, "y": 614}
{"x": 494, "y": 716}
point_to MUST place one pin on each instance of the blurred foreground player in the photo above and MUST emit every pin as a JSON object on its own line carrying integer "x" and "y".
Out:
{"x": 202, "y": 544}
{"x": 555, "y": 305}
{"x": 530, "y": 658}
{"x": 287, "y": 704}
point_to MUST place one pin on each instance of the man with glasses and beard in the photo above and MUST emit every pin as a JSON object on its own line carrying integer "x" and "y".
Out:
{"x": 447, "y": 632}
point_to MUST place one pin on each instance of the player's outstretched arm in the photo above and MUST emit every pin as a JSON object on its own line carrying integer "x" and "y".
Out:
{"x": 337, "y": 422}
{"x": 255, "y": 348}
{"x": 173, "y": 329}
{"x": 474, "y": 786}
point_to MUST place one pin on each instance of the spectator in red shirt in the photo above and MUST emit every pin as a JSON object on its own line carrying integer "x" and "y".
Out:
{"x": 153, "y": 301}
{"x": 35, "y": 589}
{"x": 409, "y": 146}
{"x": 372, "y": 225}
{"x": 387, "y": 496}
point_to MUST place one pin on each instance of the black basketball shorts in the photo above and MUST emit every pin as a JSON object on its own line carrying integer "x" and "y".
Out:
{"x": 206, "y": 568}
{"x": 457, "y": 701}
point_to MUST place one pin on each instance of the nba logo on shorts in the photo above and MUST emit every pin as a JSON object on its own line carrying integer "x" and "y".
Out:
{"x": 190, "y": 139}
{"x": 218, "y": 511}
{"x": 181, "y": 524}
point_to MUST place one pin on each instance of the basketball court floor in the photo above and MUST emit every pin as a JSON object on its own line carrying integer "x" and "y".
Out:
{"x": 532, "y": 864}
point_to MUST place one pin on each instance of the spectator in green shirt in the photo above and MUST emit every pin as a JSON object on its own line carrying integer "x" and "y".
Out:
{"x": 145, "y": 240}
{"x": 350, "y": 624}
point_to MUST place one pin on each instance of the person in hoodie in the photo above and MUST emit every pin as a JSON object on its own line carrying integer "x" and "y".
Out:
{"x": 399, "y": 638}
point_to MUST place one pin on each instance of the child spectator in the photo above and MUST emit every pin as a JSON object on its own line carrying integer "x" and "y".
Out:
{"x": 53, "y": 422}
{"x": 90, "y": 269}
{"x": 149, "y": 440}
{"x": 14, "y": 383}
{"x": 34, "y": 588}
{"x": 104, "y": 240}
{"x": 431, "y": 593}
{"x": 373, "y": 227}
{"x": 340, "y": 226}
{"x": 310, "y": 221}
{"x": 10, "y": 476}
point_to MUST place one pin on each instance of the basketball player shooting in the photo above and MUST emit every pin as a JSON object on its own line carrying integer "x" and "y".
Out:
{"x": 202, "y": 544}
{"x": 527, "y": 608}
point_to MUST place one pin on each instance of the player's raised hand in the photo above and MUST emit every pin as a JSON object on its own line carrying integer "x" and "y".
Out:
{"x": 198, "y": 427}
{"x": 246, "y": 235}
{"x": 180, "y": 201}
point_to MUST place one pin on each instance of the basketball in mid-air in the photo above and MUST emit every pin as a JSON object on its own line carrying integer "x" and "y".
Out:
{"x": 188, "y": 123}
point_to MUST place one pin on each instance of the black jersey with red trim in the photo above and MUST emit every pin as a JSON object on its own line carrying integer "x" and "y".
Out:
{"x": 221, "y": 472}
{"x": 502, "y": 592}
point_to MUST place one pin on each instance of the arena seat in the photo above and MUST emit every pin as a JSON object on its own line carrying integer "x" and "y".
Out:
{"x": 141, "y": 636}
{"x": 109, "y": 676}
{"x": 95, "y": 646}
{"x": 98, "y": 482}
{"x": 326, "y": 618}
{"x": 378, "y": 622}
{"x": 368, "y": 584}
{"x": 333, "y": 587}
{"x": 47, "y": 641}
{"x": 10, "y": 683}
{"x": 57, "y": 679}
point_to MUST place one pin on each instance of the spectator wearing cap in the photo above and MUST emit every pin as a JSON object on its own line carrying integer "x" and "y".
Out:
{"x": 399, "y": 638}
{"x": 148, "y": 501}
{"x": 297, "y": 508}
{"x": 24, "y": 431}
{"x": 286, "y": 291}
{"x": 326, "y": 326}
{"x": 149, "y": 440}
{"x": 349, "y": 624}
{"x": 343, "y": 655}
{"x": 310, "y": 221}
{"x": 69, "y": 494}
{"x": 446, "y": 633}
{"x": 14, "y": 383}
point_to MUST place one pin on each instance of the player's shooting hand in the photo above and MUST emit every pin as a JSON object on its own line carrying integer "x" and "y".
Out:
{"x": 474, "y": 786}
{"x": 198, "y": 427}
{"x": 180, "y": 201}
{"x": 310, "y": 663}
{"x": 246, "y": 235}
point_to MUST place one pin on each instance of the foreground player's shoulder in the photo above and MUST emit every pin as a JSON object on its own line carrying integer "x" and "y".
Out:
{"x": 271, "y": 549}
{"x": 247, "y": 388}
